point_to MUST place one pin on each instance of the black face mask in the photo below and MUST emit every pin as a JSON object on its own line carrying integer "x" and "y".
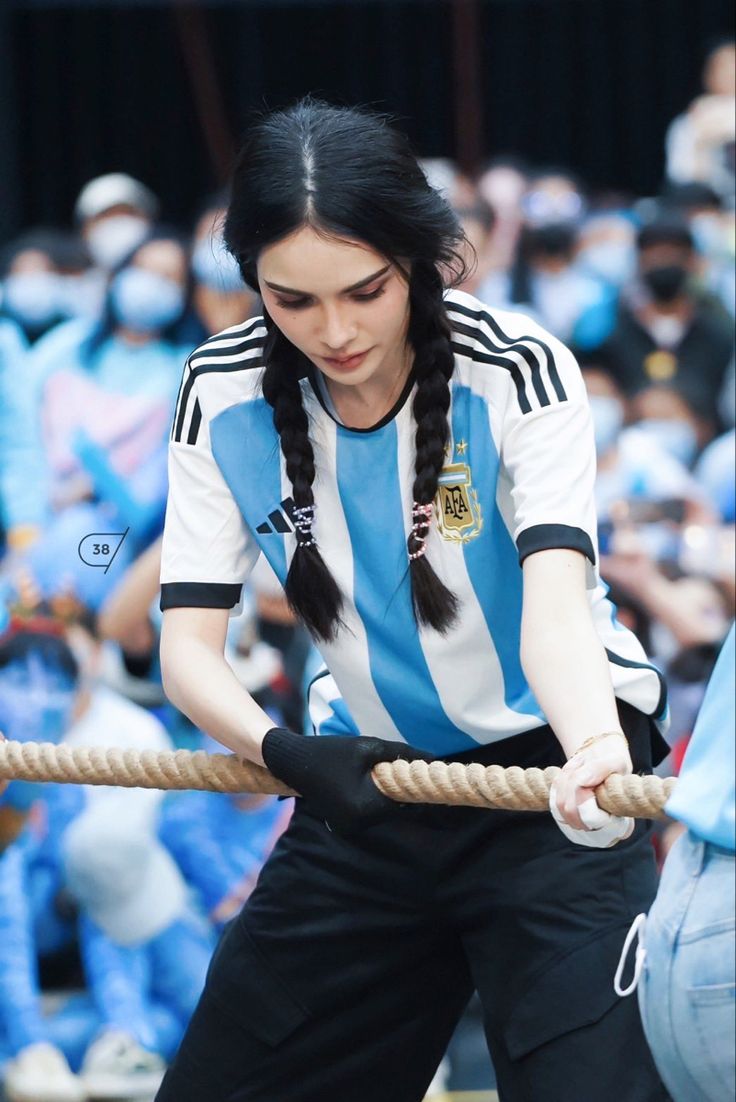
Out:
{"x": 666, "y": 282}
{"x": 556, "y": 239}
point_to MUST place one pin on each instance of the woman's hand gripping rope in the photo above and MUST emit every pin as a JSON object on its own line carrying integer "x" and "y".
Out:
{"x": 572, "y": 793}
{"x": 333, "y": 773}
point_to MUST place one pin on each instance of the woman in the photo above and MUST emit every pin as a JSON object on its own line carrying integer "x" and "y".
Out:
{"x": 427, "y": 446}
{"x": 101, "y": 394}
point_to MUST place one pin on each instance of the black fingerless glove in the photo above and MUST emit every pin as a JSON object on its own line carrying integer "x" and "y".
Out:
{"x": 333, "y": 773}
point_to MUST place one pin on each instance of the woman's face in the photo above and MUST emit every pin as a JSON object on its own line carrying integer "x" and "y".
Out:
{"x": 339, "y": 302}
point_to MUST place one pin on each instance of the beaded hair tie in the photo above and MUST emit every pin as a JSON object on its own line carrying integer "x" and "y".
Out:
{"x": 422, "y": 518}
{"x": 303, "y": 521}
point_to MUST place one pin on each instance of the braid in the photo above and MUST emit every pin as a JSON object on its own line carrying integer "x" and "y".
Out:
{"x": 310, "y": 589}
{"x": 429, "y": 333}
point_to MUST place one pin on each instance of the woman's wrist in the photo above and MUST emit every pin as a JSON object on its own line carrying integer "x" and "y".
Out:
{"x": 593, "y": 739}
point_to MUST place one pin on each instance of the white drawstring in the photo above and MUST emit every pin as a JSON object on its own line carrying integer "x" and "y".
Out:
{"x": 638, "y": 960}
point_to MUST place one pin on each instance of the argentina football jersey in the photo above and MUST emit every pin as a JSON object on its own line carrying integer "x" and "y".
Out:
{"x": 518, "y": 477}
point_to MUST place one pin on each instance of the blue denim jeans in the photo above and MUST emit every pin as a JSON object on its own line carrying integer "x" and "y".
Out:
{"x": 686, "y": 991}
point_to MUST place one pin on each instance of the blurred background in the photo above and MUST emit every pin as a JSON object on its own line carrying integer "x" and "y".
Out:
{"x": 588, "y": 149}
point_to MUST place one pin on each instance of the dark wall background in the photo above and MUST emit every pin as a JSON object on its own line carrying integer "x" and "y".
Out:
{"x": 162, "y": 91}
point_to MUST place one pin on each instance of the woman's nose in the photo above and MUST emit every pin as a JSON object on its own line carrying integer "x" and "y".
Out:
{"x": 338, "y": 329}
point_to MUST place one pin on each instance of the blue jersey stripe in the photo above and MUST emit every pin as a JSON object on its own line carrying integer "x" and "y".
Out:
{"x": 492, "y": 560}
{"x": 368, "y": 483}
{"x": 246, "y": 449}
{"x": 339, "y": 722}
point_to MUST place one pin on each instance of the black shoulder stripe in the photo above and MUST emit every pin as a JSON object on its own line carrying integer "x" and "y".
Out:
{"x": 526, "y": 354}
{"x": 516, "y": 344}
{"x": 186, "y": 389}
{"x": 220, "y": 339}
{"x": 175, "y": 420}
{"x": 206, "y": 355}
{"x": 207, "y": 350}
{"x": 499, "y": 361}
{"x": 240, "y": 365}
{"x": 194, "y": 423}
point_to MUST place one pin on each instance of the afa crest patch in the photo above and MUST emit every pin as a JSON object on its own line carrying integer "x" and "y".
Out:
{"x": 458, "y": 511}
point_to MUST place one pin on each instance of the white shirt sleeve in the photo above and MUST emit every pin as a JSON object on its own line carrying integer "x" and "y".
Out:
{"x": 548, "y": 456}
{"x": 208, "y": 551}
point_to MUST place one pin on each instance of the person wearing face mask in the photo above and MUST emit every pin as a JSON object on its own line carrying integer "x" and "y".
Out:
{"x": 662, "y": 332}
{"x": 632, "y": 463}
{"x": 104, "y": 394}
{"x": 45, "y": 280}
{"x": 665, "y": 416}
{"x": 114, "y": 213}
{"x": 712, "y": 226}
{"x": 220, "y": 297}
{"x": 605, "y": 247}
{"x": 543, "y": 278}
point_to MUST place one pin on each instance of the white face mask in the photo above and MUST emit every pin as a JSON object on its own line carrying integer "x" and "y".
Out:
{"x": 113, "y": 238}
{"x": 35, "y": 299}
{"x": 674, "y": 436}
{"x": 666, "y": 331}
{"x": 608, "y": 417}
{"x": 611, "y": 261}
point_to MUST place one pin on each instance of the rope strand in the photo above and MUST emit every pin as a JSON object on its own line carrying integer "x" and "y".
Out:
{"x": 434, "y": 782}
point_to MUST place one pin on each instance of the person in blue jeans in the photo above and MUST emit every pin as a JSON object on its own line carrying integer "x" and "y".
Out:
{"x": 687, "y": 959}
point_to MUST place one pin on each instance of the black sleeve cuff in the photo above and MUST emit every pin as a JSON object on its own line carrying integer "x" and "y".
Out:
{"x": 542, "y": 537}
{"x": 199, "y": 595}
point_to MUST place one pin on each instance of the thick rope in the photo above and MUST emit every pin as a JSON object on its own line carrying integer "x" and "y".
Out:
{"x": 435, "y": 782}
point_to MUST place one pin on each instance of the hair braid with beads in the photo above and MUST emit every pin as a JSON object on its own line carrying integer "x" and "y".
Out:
{"x": 429, "y": 333}
{"x": 310, "y": 588}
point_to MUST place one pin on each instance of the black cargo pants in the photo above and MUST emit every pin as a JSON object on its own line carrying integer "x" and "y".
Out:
{"x": 344, "y": 976}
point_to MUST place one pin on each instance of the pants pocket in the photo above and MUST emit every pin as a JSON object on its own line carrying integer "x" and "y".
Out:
{"x": 575, "y": 991}
{"x": 231, "y": 1046}
{"x": 243, "y": 983}
{"x": 712, "y": 1010}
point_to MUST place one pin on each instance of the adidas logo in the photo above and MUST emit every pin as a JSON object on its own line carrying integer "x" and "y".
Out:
{"x": 280, "y": 519}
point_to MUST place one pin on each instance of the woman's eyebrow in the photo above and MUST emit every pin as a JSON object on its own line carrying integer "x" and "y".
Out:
{"x": 345, "y": 291}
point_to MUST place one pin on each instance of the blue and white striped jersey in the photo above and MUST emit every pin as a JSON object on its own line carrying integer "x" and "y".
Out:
{"x": 518, "y": 478}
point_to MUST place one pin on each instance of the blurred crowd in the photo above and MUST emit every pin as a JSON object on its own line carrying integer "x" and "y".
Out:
{"x": 111, "y": 900}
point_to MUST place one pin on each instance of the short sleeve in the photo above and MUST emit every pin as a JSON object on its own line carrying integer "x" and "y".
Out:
{"x": 548, "y": 453}
{"x": 208, "y": 550}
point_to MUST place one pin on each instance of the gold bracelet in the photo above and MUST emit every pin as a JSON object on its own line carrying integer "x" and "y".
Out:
{"x": 596, "y": 738}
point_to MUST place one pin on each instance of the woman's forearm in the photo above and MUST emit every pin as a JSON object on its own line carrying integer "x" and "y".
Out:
{"x": 561, "y": 654}
{"x": 200, "y": 683}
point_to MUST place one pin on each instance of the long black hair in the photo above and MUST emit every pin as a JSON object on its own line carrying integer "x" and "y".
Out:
{"x": 347, "y": 172}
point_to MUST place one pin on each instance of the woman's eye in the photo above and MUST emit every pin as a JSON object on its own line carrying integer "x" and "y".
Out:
{"x": 292, "y": 303}
{"x": 366, "y": 296}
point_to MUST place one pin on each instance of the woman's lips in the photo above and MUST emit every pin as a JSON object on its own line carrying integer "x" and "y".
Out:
{"x": 347, "y": 363}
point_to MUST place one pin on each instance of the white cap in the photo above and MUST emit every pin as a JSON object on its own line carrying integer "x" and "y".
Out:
{"x": 122, "y": 877}
{"x": 111, "y": 190}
